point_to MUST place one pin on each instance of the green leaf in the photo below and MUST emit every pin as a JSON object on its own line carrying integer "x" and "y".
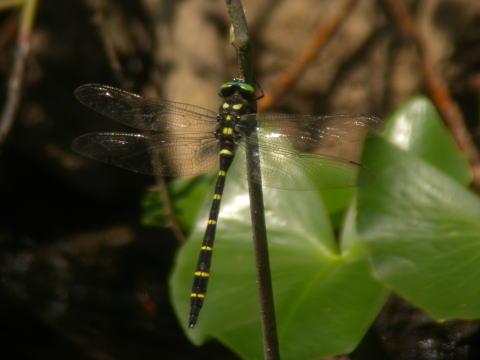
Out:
{"x": 325, "y": 299}
{"x": 187, "y": 196}
{"x": 417, "y": 128}
{"x": 422, "y": 230}
{"x": 336, "y": 201}
{"x": 153, "y": 212}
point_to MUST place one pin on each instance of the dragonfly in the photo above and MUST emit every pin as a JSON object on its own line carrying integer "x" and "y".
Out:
{"x": 177, "y": 139}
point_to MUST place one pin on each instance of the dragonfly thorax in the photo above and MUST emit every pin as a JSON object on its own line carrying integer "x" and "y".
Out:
{"x": 231, "y": 115}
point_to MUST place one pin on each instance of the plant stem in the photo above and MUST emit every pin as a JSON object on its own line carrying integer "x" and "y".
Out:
{"x": 12, "y": 101}
{"x": 239, "y": 39}
{"x": 264, "y": 280}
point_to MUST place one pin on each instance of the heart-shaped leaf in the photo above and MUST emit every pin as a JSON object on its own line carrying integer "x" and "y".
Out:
{"x": 422, "y": 229}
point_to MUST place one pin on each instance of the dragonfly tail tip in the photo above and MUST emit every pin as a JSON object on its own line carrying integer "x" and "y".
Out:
{"x": 192, "y": 322}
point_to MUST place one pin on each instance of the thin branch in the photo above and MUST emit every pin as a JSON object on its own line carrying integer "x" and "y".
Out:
{"x": 16, "y": 77}
{"x": 171, "y": 220}
{"x": 240, "y": 40}
{"x": 98, "y": 8}
{"x": 293, "y": 73}
{"x": 437, "y": 86}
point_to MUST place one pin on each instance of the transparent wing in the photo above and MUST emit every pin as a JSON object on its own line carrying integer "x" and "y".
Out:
{"x": 311, "y": 131}
{"x": 150, "y": 154}
{"x": 146, "y": 114}
{"x": 305, "y": 152}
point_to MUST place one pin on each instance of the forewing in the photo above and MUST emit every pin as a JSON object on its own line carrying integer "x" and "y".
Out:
{"x": 150, "y": 154}
{"x": 146, "y": 114}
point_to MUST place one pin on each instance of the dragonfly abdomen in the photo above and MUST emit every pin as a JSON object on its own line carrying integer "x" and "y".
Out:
{"x": 202, "y": 271}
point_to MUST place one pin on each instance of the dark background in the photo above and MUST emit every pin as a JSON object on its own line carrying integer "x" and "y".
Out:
{"x": 80, "y": 277}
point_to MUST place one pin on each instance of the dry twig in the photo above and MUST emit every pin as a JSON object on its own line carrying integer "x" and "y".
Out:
{"x": 292, "y": 74}
{"x": 437, "y": 86}
{"x": 16, "y": 77}
{"x": 171, "y": 220}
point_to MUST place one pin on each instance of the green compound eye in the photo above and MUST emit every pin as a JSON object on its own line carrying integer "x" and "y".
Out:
{"x": 247, "y": 87}
{"x": 228, "y": 88}
{"x": 226, "y": 85}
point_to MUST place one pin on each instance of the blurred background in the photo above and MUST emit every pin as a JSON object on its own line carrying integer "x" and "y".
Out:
{"x": 80, "y": 276}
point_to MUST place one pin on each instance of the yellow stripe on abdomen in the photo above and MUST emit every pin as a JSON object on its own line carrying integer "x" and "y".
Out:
{"x": 201, "y": 273}
{"x": 197, "y": 295}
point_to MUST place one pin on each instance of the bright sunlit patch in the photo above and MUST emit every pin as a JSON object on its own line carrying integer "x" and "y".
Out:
{"x": 273, "y": 135}
{"x": 402, "y": 132}
{"x": 232, "y": 209}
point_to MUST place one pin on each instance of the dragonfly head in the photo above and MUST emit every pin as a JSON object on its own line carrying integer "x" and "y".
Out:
{"x": 237, "y": 86}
